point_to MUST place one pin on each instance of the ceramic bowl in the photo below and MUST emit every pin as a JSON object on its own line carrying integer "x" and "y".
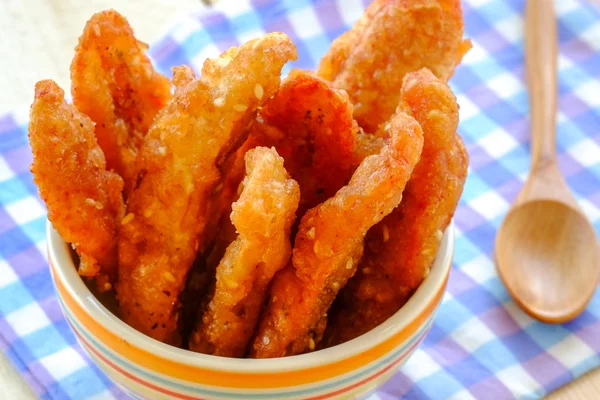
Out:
{"x": 146, "y": 368}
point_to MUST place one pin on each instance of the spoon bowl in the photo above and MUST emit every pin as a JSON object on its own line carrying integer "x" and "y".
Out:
{"x": 548, "y": 255}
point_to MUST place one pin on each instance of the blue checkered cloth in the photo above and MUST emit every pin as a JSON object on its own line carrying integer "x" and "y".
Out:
{"x": 481, "y": 344}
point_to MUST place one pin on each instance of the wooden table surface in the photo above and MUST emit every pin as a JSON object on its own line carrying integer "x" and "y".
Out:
{"x": 44, "y": 34}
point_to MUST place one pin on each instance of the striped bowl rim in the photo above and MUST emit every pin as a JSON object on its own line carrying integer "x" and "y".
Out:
{"x": 181, "y": 390}
{"x": 245, "y": 373}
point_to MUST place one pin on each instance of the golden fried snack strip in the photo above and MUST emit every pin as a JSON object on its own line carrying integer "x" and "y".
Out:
{"x": 232, "y": 171}
{"x": 263, "y": 216}
{"x": 167, "y": 212}
{"x": 311, "y": 125}
{"x": 83, "y": 199}
{"x": 330, "y": 243}
{"x": 113, "y": 83}
{"x": 366, "y": 145}
{"x": 201, "y": 278}
{"x": 392, "y": 38}
{"x": 400, "y": 249}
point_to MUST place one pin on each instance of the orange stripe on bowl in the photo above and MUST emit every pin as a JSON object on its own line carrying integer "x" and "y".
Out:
{"x": 240, "y": 380}
{"x": 133, "y": 377}
{"x": 177, "y": 395}
{"x": 370, "y": 378}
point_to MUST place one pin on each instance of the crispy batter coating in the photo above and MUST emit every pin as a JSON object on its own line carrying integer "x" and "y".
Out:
{"x": 311, "y": 125}
{"x": 84, "y": 200}
{"x": 330, "y": 243}
{"x": 392, "y": 38}
{"x": 366, "y": 145}
{"x": 114, "y": 83}
{"x": 233, "y": 171}
{"x": 400, "y": 249}
{"x": 263, "y": 216}
{"x": 167, "y": 212}
{"x": 221, "y": 233}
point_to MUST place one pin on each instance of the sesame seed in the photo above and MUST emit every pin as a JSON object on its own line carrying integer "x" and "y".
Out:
{"x": 168, "y": 275}
{"x": 223, "y": 61}
{"x": 386, "y": 233}
{"x": 259, "y": 91}
{"x": 257, "y": 43}
{"x": 349, "y": 263}
{"x": 162, "y": 150}
{"x": 219, "y": 102}
{"x": 107, "y": 286}
{"x": 96, "y": 30}
{"x": 335, "y": 285}
{"x": 148, "y": 72}
{"x": 136, "y": 60}
{"x": 438, "y": 234}
{"x": 94, "y": 203}
{"x": 219, "y": 187}
{"x": 311, "y": 344}
{"x": 240, "y": 107}
{"x": 367, "y": 271}
{"x": 408, "y": 84}
{"x": 311, "y": 233}
{"x": 266, "y": 340}
{"x": 127, "y": 219}
{"x": 148, "y": 212}
{"x": 231, "y": 284}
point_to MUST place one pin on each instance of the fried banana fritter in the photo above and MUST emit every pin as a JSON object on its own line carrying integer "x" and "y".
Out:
{"x": 263, "y": 216}
{"x": 114, "y": 83}
{"x": 84, "y": 200}
{"x": 311, "y": 125}
{"x": 329, "y": 244}
{"x": 177, "y": 171}
{"x": 392, "y": 38}
{"x": 400, "y": 249}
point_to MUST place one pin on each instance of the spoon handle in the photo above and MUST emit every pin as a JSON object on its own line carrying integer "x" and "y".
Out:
{"x": 541, "y": 59}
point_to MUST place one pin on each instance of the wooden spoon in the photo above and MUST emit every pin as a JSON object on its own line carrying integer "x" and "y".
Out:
{"x": 547, "y": 252}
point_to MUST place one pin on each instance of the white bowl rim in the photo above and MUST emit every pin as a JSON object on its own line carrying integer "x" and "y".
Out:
{"x": 60, "y": 256}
